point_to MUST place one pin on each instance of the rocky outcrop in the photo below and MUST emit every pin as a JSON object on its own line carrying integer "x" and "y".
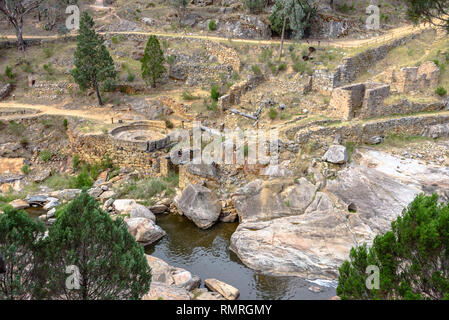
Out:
{"x": 360, "y": 203}
{"x": 5, "y": 90}
{"x": 244, "y": 27}
{"x": 200, "y": 205}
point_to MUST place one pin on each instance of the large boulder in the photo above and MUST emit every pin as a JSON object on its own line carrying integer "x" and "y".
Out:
{"x": 260, "y": 200}
{"x": 19, "y": 204}
{"x": 140, "y": 211}
{"x": 123, "y": 206}
{"x": 336, "y": 154}
{"x": 144, "y": 230}
{"x": 200, "y": 205}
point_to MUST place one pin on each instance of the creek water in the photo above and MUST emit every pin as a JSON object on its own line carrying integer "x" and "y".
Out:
{"x": 205, "y": 253}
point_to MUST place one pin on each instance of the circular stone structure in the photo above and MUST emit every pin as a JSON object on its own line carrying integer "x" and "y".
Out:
{"x": 141, "y": 135}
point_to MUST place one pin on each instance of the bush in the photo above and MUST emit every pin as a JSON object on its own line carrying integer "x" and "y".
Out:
{"x": 45, "y": 155}
{"x": 47, "y": 52}
{"x": 48, "y": 68}
{"x": 212, "y": 25}
{"x": 9, "y": 73}
{"x": 130, "y": 77}
{"x": 282, "y": 67}
{"x": 256, "y": 70}
{"x": 214, "y": 92}
{"x": 441, "y": 91}
{"x": 272, "y": 113}
{"x": 212, "y": 106}
{"x": 76, "y": 162}
{"x": 169, "y": 124}
{"x": 83, "y": 180}
{"x": 65, "y": 124}
{"x": 186, "y": 95}
{"x": 26, "y": 169}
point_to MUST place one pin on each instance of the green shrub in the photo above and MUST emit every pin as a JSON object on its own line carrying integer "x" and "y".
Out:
{"x": 282, "y": 66}
{"x": 186, "y": 95}
{"x": 212, "y": 25}
{"x": 24, "y": 141}
{"x": 441, "y": 91}
{"x": 130, "y": 77}
{"x": 48, "y": 68}
{"x": 212, "y": 106}
{"x": 26, "y": 169}
{"x": 83, "y": 180}
{"x": 169, "y": 124}
{"x": 47, "y": 52}
{"x": 256, "y": 70}
{"x": 9, "y": 73}
{"x": 65, "y": 124}
{"x": 215, "y": 92}
{"x": 76, "y": 162}
{"x": 272, "y": 113}
{"x": 45, "y": 155}
{"x": 266, "y": 55}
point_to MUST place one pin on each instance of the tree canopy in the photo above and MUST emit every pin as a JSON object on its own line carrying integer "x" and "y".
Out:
{"x": 84, "y": 245}
{"x": 93, "y": 63}
{"x": 19, "y": 244}
{"x": 435, "y": 12}
{"x": 413, "y": 258}
{"x": 298, "y": 14}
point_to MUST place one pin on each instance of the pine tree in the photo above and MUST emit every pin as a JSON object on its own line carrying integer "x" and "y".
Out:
{"x": 413, "y": 258}
{"x": 111, "y": 264}
{"x": 19, "y": 245}
{"x": 153, "y": 61}
{"x": 93, "y": 63}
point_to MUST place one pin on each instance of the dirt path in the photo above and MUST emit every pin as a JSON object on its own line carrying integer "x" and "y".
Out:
{"x": 97, "y": 114}
{"x": 349, "y": 43}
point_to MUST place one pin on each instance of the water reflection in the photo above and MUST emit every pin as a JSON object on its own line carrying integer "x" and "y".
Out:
{"x": 205, "y": 253}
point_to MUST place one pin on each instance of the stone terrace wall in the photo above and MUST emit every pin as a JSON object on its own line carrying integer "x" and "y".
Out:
{"x": 362, "y": 132}
{"x": 352, "y": 67}
{"x": 237, "y": 90}
{"x": 95, "y": 147}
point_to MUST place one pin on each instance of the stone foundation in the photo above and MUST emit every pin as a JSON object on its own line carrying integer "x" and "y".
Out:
{"x": 414, "y": 78}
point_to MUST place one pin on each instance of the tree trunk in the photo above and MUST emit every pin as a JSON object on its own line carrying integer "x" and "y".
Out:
{"x": 283, "y": 34}
{"x": 100, "y": 102}
{"x": 20, "y": 42}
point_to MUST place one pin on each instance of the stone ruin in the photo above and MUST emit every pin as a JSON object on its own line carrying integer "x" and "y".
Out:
{"x": 361, "y": 100}
{"x": 414, "y": 78}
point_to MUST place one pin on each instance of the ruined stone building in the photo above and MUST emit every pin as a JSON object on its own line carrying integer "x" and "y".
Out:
{"x": 414, "y": 78}
{"x": 361, "y": 100}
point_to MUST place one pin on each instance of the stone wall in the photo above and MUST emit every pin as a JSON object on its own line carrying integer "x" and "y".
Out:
{"x": 362, "y": 132}
{"x": 225, "y": 55}
{"x": 362, "y": 100}
{"x": 95, "y": 147}
{"x": 414, "y": 78}
{"x": 351, "y": 68}
{"x": 232, "y": 97}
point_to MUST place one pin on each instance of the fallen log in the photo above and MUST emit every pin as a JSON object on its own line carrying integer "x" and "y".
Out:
{"x": 243, "y": 114}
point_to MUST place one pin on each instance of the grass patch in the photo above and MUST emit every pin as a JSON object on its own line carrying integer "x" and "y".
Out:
{"x": 148, "y": 188}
